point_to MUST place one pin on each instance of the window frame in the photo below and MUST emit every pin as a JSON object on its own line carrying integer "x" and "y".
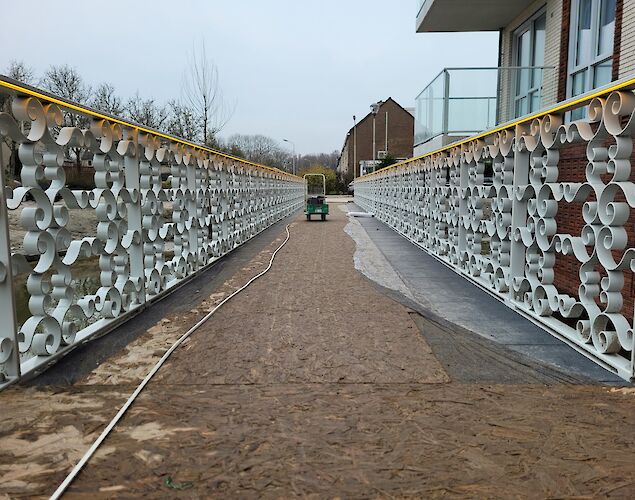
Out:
{"x": 528, "y": 25}
{"x": 589, "y": 68}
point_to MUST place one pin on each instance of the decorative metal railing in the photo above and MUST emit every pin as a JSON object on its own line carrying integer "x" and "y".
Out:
{"x": 60, "y": 288}
{"x": 539, "y": 212}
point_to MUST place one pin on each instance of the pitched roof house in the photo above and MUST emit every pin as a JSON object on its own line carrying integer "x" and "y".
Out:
{"x": 392, "y": 133}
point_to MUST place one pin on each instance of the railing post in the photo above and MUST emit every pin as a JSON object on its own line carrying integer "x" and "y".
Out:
{"x": 519, "y": 215}
{"x": 463, "y": 183}
{"x": 191, "y": 205}
{"x": 133, "y": 212}
{"x": 9, "y": 356}
{"x": 446, "y": 101}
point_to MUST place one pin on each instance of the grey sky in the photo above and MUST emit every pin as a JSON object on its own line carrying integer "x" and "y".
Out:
{"x": 295, "y": 69}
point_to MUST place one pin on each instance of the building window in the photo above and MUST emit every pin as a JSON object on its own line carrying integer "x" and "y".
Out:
{"x": 529, "y": 58}
{"x": 590, "y": 46}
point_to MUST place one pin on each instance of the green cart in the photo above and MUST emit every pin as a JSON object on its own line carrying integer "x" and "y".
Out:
{"x": 315, "y": 196}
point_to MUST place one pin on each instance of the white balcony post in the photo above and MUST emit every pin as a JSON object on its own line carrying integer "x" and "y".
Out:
{"x": 9, "y": 356}
{"x": 519, "y": 215}
{"x": 133, "y": 213}
{"x": 446, "y": 102}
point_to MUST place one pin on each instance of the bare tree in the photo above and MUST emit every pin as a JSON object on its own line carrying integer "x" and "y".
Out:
{"x": 326, "y": 159}
{"x": 203, "y": 96}
{"x": 64, "y": 81}
{"x": 17, "y": 70}
{"x": 105, "y": 99}
{"x": 146, "y": 112}
{"x": 259, "y": 149}
{"x": 182, "y": 121}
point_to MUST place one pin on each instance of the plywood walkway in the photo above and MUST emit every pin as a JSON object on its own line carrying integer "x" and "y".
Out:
{"x": 314, "y": 383}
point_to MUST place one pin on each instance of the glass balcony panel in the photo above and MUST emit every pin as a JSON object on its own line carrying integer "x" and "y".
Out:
{"x": 467, "y": 114}
{"x": 521, "y": 106}
{"x": 523, "y": 81}
{"x": 475, "y": 99}
{"x": 430, "y": 110}
{"x": 471, "y": 83}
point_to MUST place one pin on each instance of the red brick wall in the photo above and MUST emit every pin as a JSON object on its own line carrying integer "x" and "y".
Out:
{"x": 564, "y": 50}
{"x": 617, "y": 39}
{"x": 569, "y": 219}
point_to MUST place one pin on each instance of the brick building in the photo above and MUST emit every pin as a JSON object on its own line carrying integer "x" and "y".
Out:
{"x": 396, "y": 139}
{"x": 587, "y": 44}
{"x": 549, "y": 50}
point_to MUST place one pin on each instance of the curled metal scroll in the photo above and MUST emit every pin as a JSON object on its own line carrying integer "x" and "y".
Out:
{"x": 502, "y": 229}
{"x": 163, "y": 211}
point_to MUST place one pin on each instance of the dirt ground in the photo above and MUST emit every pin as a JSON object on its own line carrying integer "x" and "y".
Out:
{"x": 81, "y": 223}
{"x": 314, "y": 383}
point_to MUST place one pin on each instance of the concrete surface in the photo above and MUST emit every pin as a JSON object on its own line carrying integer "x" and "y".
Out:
{"x": 437, "y": 288}
{"x": 339, "y": 198}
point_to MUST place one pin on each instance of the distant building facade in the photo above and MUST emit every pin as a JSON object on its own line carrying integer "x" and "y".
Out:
{"x": 393, "y": 135}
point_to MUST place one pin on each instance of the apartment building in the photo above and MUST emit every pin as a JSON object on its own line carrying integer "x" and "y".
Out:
{"x": 549, "y": 50}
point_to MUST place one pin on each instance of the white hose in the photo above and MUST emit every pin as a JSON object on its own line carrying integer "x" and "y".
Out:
{"x": 360, "y": 214}
{"x": 84, "y": 460}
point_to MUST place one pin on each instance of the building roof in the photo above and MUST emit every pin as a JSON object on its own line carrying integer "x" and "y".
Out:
{"x": 350, "y": 130}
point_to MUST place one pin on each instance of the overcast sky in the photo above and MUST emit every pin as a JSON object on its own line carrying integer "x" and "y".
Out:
{"x": 294, "y": 69}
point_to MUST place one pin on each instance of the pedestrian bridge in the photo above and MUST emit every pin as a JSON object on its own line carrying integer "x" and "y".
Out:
{"x": 363, "y": 363}
{"x": 536, "y": 211}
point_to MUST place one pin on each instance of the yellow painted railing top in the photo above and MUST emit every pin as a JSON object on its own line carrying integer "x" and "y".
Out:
{"x": 40, "y": 94}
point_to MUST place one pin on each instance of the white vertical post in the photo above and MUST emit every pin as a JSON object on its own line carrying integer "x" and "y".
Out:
{"x": 133, "y": 213}
{"x": 9, "y": 356}
{"x": 519, "y": 216}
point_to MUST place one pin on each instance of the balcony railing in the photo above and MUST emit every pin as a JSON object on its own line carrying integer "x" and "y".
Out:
{"x": 539, "y": 212}
{"x": 460, "y": 102}
{"x": 76, "y": 262}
